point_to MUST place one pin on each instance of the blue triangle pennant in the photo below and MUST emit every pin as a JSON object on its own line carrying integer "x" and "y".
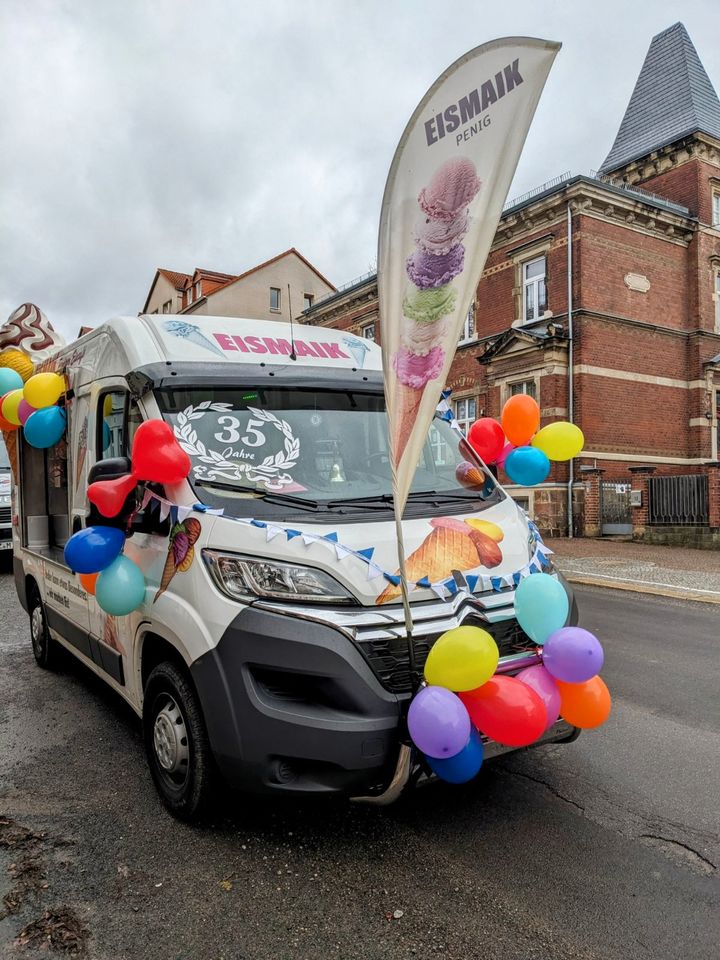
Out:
{"x": 447, "y": 416}
{"x": 173, "y": 515}
{"x": 446, "y": 393}
{"x": 516, "y": 578}
{"x": 472, "y": 581}
{"x": 496, "y": 583}
{"x": 258, "y": 523}
{"x": 451, "y": 586}
{"x": 424, "y": 582}
{"x": 331, "y": 536}
{"x": 366, "y": 553}
{"x": 291, "y": 533}
{"x": 391, "y": 578}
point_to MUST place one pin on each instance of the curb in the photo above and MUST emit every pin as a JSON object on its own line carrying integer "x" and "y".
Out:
{"x": 658, "y": 590}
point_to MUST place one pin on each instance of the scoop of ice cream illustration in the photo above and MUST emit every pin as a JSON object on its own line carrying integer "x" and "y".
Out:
{"x": 452, "y": 187}
{"x": 427, "y": 270}
{"x": 188, "y": 331}
{"x": 18, "y": 361}
{"x": 451, "y": 545}
{"x": 358, "y": 348}
{"x": 427, "y": 306}
{"x": 81, "y": 452}
{"x": 420, "y": 338}
{"x": 440, "y": 236}
{"x": 414, "y": 371}
{"x": 181, "y": 551}
{"x": 29, "y": 331}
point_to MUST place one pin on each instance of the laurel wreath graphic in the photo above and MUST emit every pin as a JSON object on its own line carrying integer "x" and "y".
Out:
{"x": 212, "y": 465}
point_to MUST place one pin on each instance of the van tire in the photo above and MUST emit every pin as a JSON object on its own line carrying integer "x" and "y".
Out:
{"x": 176, "y": 743}
{"x": 45, "y": 649}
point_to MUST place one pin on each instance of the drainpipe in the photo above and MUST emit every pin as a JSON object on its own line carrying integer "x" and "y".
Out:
{"x": 571, "y": 406}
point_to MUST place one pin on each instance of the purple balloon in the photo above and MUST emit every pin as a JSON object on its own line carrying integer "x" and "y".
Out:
{"x": 24, "y": 411}
{"x": 438, "y": 722}
{"x": 507, "y": 449}
{"x": 573, "y": 655}
{"x": 543, "y": 683}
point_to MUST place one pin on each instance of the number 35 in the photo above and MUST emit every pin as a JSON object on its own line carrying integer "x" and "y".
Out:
{"x": 231, "y": 434}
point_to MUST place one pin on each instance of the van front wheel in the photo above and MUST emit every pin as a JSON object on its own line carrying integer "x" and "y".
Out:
{"x": 44, "y": 647}
{"x": 176, "y": 742}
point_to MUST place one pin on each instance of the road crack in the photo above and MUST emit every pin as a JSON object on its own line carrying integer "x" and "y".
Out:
{"x": 683, "y": 846}
{"x": 553, "y": 790}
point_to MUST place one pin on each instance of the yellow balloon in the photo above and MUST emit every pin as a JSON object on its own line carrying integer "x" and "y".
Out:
{"x": 462, "y": 659}
{"x": 559, "y": 441}
{"x": 107, "y": 405}
{"x": 44, "y": 389}
{"x": 17, "y": 361}
{"x": 491, "y": 530}
{"x": 10, "y": 406}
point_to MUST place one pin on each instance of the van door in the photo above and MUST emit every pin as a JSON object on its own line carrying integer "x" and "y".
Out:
{"x": 44, "y": 491}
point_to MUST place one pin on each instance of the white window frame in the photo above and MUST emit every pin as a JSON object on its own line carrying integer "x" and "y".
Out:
{"x": 198, "y": 290}
{"x": 311, "y": 298}
{"x": 466, "y": 420}
{"x": 523, "y": 383}
{"x": 716, "y": 298}
{"x": 715, "y": 209}
{"x": 366, "y": 331}
{"x": 534, "y": 282}
{"x": 278, "y": 308}
{"x": 468, "y": 330}
{"x": 167, "y": 306}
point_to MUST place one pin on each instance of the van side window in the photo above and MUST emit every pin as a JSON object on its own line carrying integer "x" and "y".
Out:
{"x": 110, "y": 440}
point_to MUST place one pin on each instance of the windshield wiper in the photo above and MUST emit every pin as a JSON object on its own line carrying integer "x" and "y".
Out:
{"x": 267, "y": 495}
{"x": 424, "y": 495}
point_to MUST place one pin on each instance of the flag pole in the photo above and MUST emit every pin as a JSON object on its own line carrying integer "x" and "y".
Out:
{"x": 414, "y": 675}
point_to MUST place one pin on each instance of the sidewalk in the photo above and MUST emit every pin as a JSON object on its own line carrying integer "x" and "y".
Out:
{"x": 644, "y": 568}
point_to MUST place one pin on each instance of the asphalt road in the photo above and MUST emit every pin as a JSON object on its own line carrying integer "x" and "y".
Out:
{"x": 605, "y": 848}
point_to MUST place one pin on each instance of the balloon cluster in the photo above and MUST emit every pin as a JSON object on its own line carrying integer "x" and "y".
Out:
{"x": 32, "y": 405}
{"x": 516, "y": 444}
{"x": 96, "y": 553}
{"x": 464, "y": 697}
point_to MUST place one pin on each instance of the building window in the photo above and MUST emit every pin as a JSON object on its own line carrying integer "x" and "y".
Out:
{"x": 716, "y": 297}
{"x": 524, "y": 386}
{"x": 466, "y": 412}
{"x": 198, "y": 290}
{"x": 534, "y": 290}
{"x": 308, "y": 299}
{"x": 439, "y": 446}
{"x": 716, "y": 209}
{"x": 468, "y": 330}
{"x": 275, "y": 298}
{"x": 368, "y": 331}
{"x": 167, "y": 306}
{"x": 189, "y": 292}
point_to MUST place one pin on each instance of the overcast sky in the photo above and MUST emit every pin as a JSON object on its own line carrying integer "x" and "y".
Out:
{"x": 147, "y": 133}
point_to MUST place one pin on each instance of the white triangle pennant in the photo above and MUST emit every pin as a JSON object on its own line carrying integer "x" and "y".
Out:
{"x": 164, "y": 510}
{"x": 271, "y": 531}
{"x": 309, "y": 538}
{"x": 183, "y": 512}
{"x": 341, "y": 551}
{"x": 147, "y": 497}
{"x": 373, "y": 571}
{"x": 439, "y": 590}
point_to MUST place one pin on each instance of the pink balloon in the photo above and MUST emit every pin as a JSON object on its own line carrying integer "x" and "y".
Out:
{"x": 503, "y": 455}
{"x": 24, "y": 411}
{"x": 543, "y": 683}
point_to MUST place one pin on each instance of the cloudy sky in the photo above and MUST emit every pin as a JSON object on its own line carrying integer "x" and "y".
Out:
{"x": 177, "y": 133}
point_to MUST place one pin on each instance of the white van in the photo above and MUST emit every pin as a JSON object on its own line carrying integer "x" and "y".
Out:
{"x": 271, "y": 648}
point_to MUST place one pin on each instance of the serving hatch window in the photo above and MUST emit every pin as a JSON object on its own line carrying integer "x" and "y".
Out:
{"x": 325, "y": 446}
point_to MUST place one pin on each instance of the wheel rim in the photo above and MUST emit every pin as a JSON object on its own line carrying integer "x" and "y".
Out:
{"x": 37, "y": 631}
{"x": 170, "y": 742}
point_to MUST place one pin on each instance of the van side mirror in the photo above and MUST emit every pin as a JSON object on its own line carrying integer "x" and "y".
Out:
{"x": 109, "y": 469}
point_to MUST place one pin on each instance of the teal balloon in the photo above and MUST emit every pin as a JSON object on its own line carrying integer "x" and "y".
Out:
{"x": 45, "y": 427}
{"x": 9, "y": 380}
{"x": 527, "y": 466}
{"x": 541, "y": 606}
{"x": 107, "y": 436}
{"x": 464, "y": 765}
{"x": 120, "y": 588}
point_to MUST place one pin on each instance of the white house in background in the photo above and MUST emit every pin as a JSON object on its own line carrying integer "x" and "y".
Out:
{"x": 260, "y": 293}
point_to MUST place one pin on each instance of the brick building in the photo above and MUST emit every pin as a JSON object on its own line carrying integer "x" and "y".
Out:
{"x": 614, "y": 276}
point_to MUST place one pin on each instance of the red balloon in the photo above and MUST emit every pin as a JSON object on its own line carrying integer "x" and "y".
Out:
{"x": 506, "y": 710}
{"x": 156, "y": 454}
{"x": 487, "y": 439}
{"x": 6, "y": 424}
{"x": 110, "y": 495}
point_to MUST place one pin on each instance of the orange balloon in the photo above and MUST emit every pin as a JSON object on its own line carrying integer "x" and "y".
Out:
{"x": 585, "y": 705}
{"x": 88, "y": 580}
{"x": 520, "y": 419}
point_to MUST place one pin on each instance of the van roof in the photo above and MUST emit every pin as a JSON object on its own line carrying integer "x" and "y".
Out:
{"x": 239, "y": 340}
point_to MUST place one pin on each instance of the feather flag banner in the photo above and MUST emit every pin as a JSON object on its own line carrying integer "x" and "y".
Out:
{"x": 443, "y": 199}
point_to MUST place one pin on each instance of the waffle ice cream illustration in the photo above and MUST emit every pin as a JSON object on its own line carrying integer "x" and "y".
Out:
{"x": 191, "y": 333}
{"x": 358, "y": 348}
{"x": 181, "y": 551}
{"x": 29, "y": 331}
{"x": 452, "y": 545}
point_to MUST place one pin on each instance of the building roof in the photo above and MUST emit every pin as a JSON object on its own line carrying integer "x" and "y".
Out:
{"x": 285, "y": 253}
{"x": 178, "y": 280}
{"x": 673, "y": 98}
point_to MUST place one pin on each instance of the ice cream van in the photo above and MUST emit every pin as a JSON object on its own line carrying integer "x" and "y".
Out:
{"x": 271, "y": 651}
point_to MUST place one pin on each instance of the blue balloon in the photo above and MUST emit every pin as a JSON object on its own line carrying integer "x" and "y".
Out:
{"x": 107, "y": 436}
{"x": 541, "y": 606}
{"x": 45, "y": 427}
{"x": 527, "y": 466}
{"x": 9, "y": 380}
{"x": 464, "y": 765}
{"x": 93, "y": 549}
{"x": 120, "y": 588}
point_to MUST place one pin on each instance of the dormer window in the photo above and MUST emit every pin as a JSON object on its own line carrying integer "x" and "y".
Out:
{"x": 198, "y": 290}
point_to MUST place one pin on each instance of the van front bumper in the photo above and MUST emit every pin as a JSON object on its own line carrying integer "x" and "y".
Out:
{"x": 297, "y": 701}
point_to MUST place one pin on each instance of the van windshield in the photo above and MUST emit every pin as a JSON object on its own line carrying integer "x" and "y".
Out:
{"x": 323, "y": 449}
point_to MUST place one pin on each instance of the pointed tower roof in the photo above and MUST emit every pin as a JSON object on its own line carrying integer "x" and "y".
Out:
{"x": 673, "y": 97}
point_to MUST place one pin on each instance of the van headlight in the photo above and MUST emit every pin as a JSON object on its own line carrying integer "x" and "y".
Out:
{"x": 245, "y": 578}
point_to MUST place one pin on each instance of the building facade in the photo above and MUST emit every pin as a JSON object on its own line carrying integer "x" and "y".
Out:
{"x": 269, "y": 291}
{"x": 601, "y": 298}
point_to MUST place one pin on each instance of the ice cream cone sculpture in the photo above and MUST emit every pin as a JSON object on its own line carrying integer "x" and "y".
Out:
{"x": 181, "y": 551}
{"x": 453, "y": 545}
